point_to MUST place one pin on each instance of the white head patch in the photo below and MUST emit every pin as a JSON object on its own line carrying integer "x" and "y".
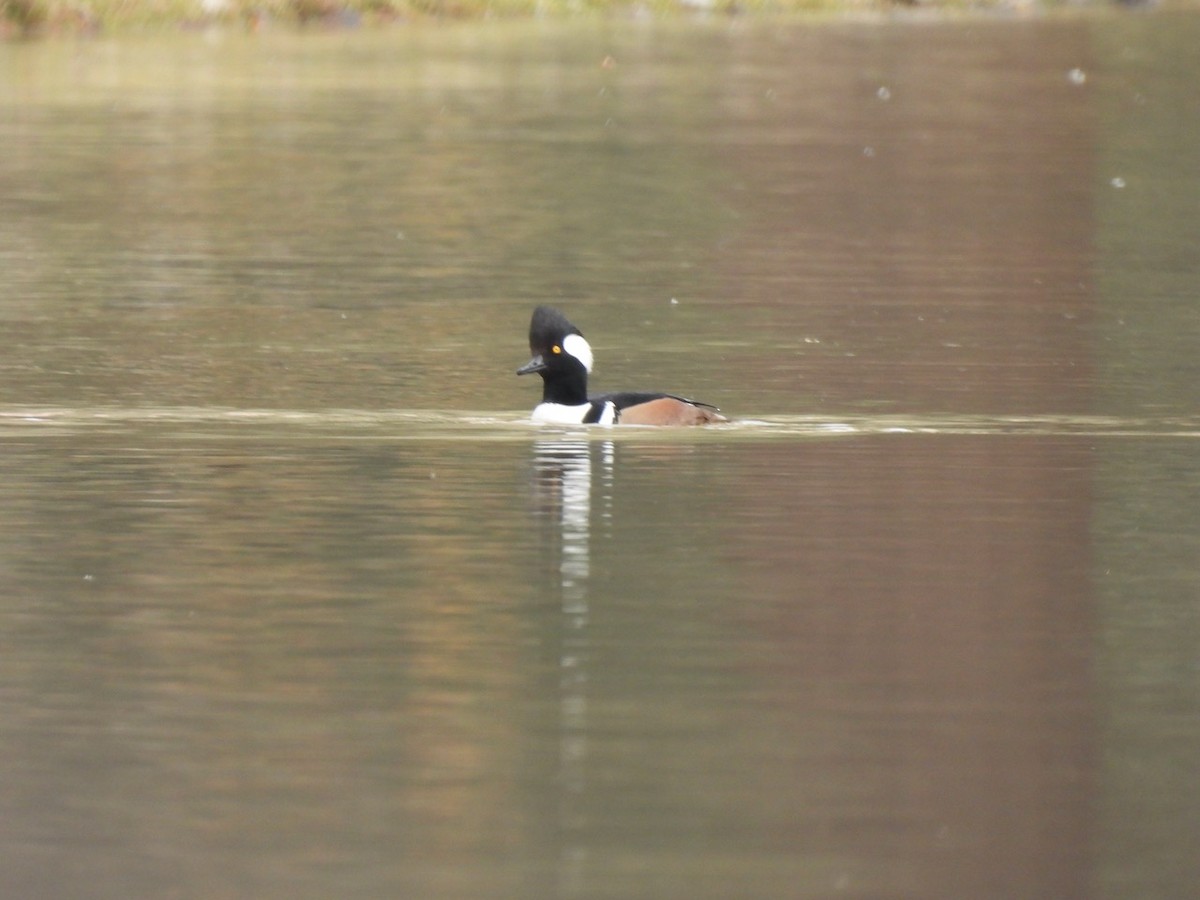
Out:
{"x": 580, "y": 349}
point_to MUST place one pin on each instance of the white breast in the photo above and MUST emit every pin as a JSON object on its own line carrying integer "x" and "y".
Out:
{"x": 560, "y": 414}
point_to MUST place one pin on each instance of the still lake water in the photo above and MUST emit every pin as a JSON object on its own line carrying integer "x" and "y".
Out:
{"x": 295, "y": 603}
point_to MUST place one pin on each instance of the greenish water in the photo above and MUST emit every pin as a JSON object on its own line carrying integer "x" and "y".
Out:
{"x": 295, "y": 602}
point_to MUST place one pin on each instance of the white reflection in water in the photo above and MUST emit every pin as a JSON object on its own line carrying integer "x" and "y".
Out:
{"x": 563, "y": 481}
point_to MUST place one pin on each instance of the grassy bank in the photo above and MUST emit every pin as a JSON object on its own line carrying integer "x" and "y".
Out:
{"x": 29, "y": 18}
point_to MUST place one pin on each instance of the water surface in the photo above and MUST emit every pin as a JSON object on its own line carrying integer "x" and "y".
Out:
{"x": 294, "y": 601}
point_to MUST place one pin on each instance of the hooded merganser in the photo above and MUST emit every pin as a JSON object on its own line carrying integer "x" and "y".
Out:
{"x": 563, "y": 357}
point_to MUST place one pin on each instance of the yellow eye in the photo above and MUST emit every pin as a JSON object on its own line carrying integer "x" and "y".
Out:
{"x": 556, "y": 349}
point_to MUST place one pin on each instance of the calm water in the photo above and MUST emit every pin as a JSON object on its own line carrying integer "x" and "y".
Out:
{"x": 295, "y": 603}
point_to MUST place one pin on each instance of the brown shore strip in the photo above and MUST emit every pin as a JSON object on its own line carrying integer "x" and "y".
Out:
{"x": 23, "y": 19}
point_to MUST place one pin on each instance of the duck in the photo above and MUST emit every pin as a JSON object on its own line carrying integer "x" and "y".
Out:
{"x": 563, "y": 357}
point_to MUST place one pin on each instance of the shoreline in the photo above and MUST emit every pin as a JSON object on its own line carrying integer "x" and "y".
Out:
{"x": 33, "y": 19}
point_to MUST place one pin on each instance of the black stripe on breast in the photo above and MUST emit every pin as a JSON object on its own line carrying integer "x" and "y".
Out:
{"x": 592, "y": 416}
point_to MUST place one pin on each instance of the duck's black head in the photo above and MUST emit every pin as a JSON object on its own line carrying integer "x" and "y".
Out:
{"x": 561, "y": 355}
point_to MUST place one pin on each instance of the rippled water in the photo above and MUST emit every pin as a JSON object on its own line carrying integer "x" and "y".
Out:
{"x": 295, "y": 601}
{"x": 429, "y": 425}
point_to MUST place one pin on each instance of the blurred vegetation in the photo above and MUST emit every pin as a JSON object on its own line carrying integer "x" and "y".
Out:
{"x": 24, "y": 18}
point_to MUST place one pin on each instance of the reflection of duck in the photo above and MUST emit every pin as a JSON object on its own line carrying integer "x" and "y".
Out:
{"x": 563, "y": 481}
{"x": 563, "y": 357}
{"x": 563, "y": 488}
